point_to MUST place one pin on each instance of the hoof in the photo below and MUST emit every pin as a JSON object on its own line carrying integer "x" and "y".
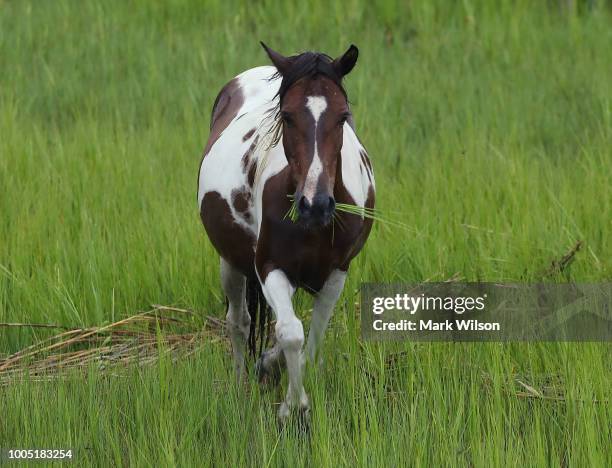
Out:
{"x": 298, "y": 418}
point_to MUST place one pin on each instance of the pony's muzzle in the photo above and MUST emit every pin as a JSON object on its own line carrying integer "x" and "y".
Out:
{"x": 320, "y": 211}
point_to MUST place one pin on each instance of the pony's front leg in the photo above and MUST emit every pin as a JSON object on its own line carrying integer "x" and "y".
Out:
{"x": 290, "y": 336}
{"x": 322, "y": 310}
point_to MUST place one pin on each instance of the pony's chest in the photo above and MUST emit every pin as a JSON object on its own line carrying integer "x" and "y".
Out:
{"x": 306, "y": 258}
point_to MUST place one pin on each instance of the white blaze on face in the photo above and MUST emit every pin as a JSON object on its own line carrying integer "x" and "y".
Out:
{"x": 316, "y": 105}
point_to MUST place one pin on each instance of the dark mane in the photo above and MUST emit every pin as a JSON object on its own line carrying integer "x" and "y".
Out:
{"x": 308, "y": 65}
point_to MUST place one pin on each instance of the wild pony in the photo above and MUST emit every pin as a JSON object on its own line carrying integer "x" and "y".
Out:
{"x": 282, "y": 152}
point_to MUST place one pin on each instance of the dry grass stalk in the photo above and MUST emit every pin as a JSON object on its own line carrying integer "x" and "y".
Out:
{"x": 132, "y": 340}
{"x": 562, "y": 264}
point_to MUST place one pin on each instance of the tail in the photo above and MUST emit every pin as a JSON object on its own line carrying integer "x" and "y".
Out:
{"x": 260, "y": 316}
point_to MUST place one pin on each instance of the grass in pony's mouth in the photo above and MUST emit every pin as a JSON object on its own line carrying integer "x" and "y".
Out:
{"x": 370, "y": 213}
{"x": 292, "y": 213}
{"x": 362, "y": 211}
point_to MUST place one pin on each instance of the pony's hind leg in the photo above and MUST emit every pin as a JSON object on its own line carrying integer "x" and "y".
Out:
{"x": 270, "y": 365}
{"x": 237, "y": 318}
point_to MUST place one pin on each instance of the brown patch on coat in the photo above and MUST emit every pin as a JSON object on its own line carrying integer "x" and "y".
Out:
{"x": 248, "y": 135}
{"x": 366, "y": 163}
{"x": 246, "y": 159}
{"x": 242, "y": 202}
{"x": 233, "y": 242}
{"x": 241, "y": 199}
{"x": 251, "y": 175}
{"x": 226, "y": 107}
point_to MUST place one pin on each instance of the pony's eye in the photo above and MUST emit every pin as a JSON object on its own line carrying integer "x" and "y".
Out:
{"x": 287, "y": 120}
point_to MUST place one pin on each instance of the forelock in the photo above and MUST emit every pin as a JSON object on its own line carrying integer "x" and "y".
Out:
{"x": 308, "y": 65}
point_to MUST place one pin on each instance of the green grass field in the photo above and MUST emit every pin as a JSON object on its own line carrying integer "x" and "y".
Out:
{"x": 489, "y": 125}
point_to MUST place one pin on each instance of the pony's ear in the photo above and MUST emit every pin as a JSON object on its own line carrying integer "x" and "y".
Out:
{"x": 281, "y": 62}
{"x": 345, "y": 63}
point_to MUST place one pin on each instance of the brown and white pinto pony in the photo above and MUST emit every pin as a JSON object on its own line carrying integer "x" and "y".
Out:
{"x": 277, "y": 135}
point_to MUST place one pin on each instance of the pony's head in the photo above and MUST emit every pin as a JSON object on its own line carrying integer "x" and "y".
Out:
{"x": 313, "y": 110}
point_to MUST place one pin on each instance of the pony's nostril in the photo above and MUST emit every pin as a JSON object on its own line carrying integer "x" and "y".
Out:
{"x": 322, "y": 206}
{"x": 332, "y": 205}
{"x": 303, "y": 205}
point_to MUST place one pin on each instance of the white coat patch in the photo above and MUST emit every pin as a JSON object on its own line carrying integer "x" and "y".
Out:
{"x": 316, "y": 105}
